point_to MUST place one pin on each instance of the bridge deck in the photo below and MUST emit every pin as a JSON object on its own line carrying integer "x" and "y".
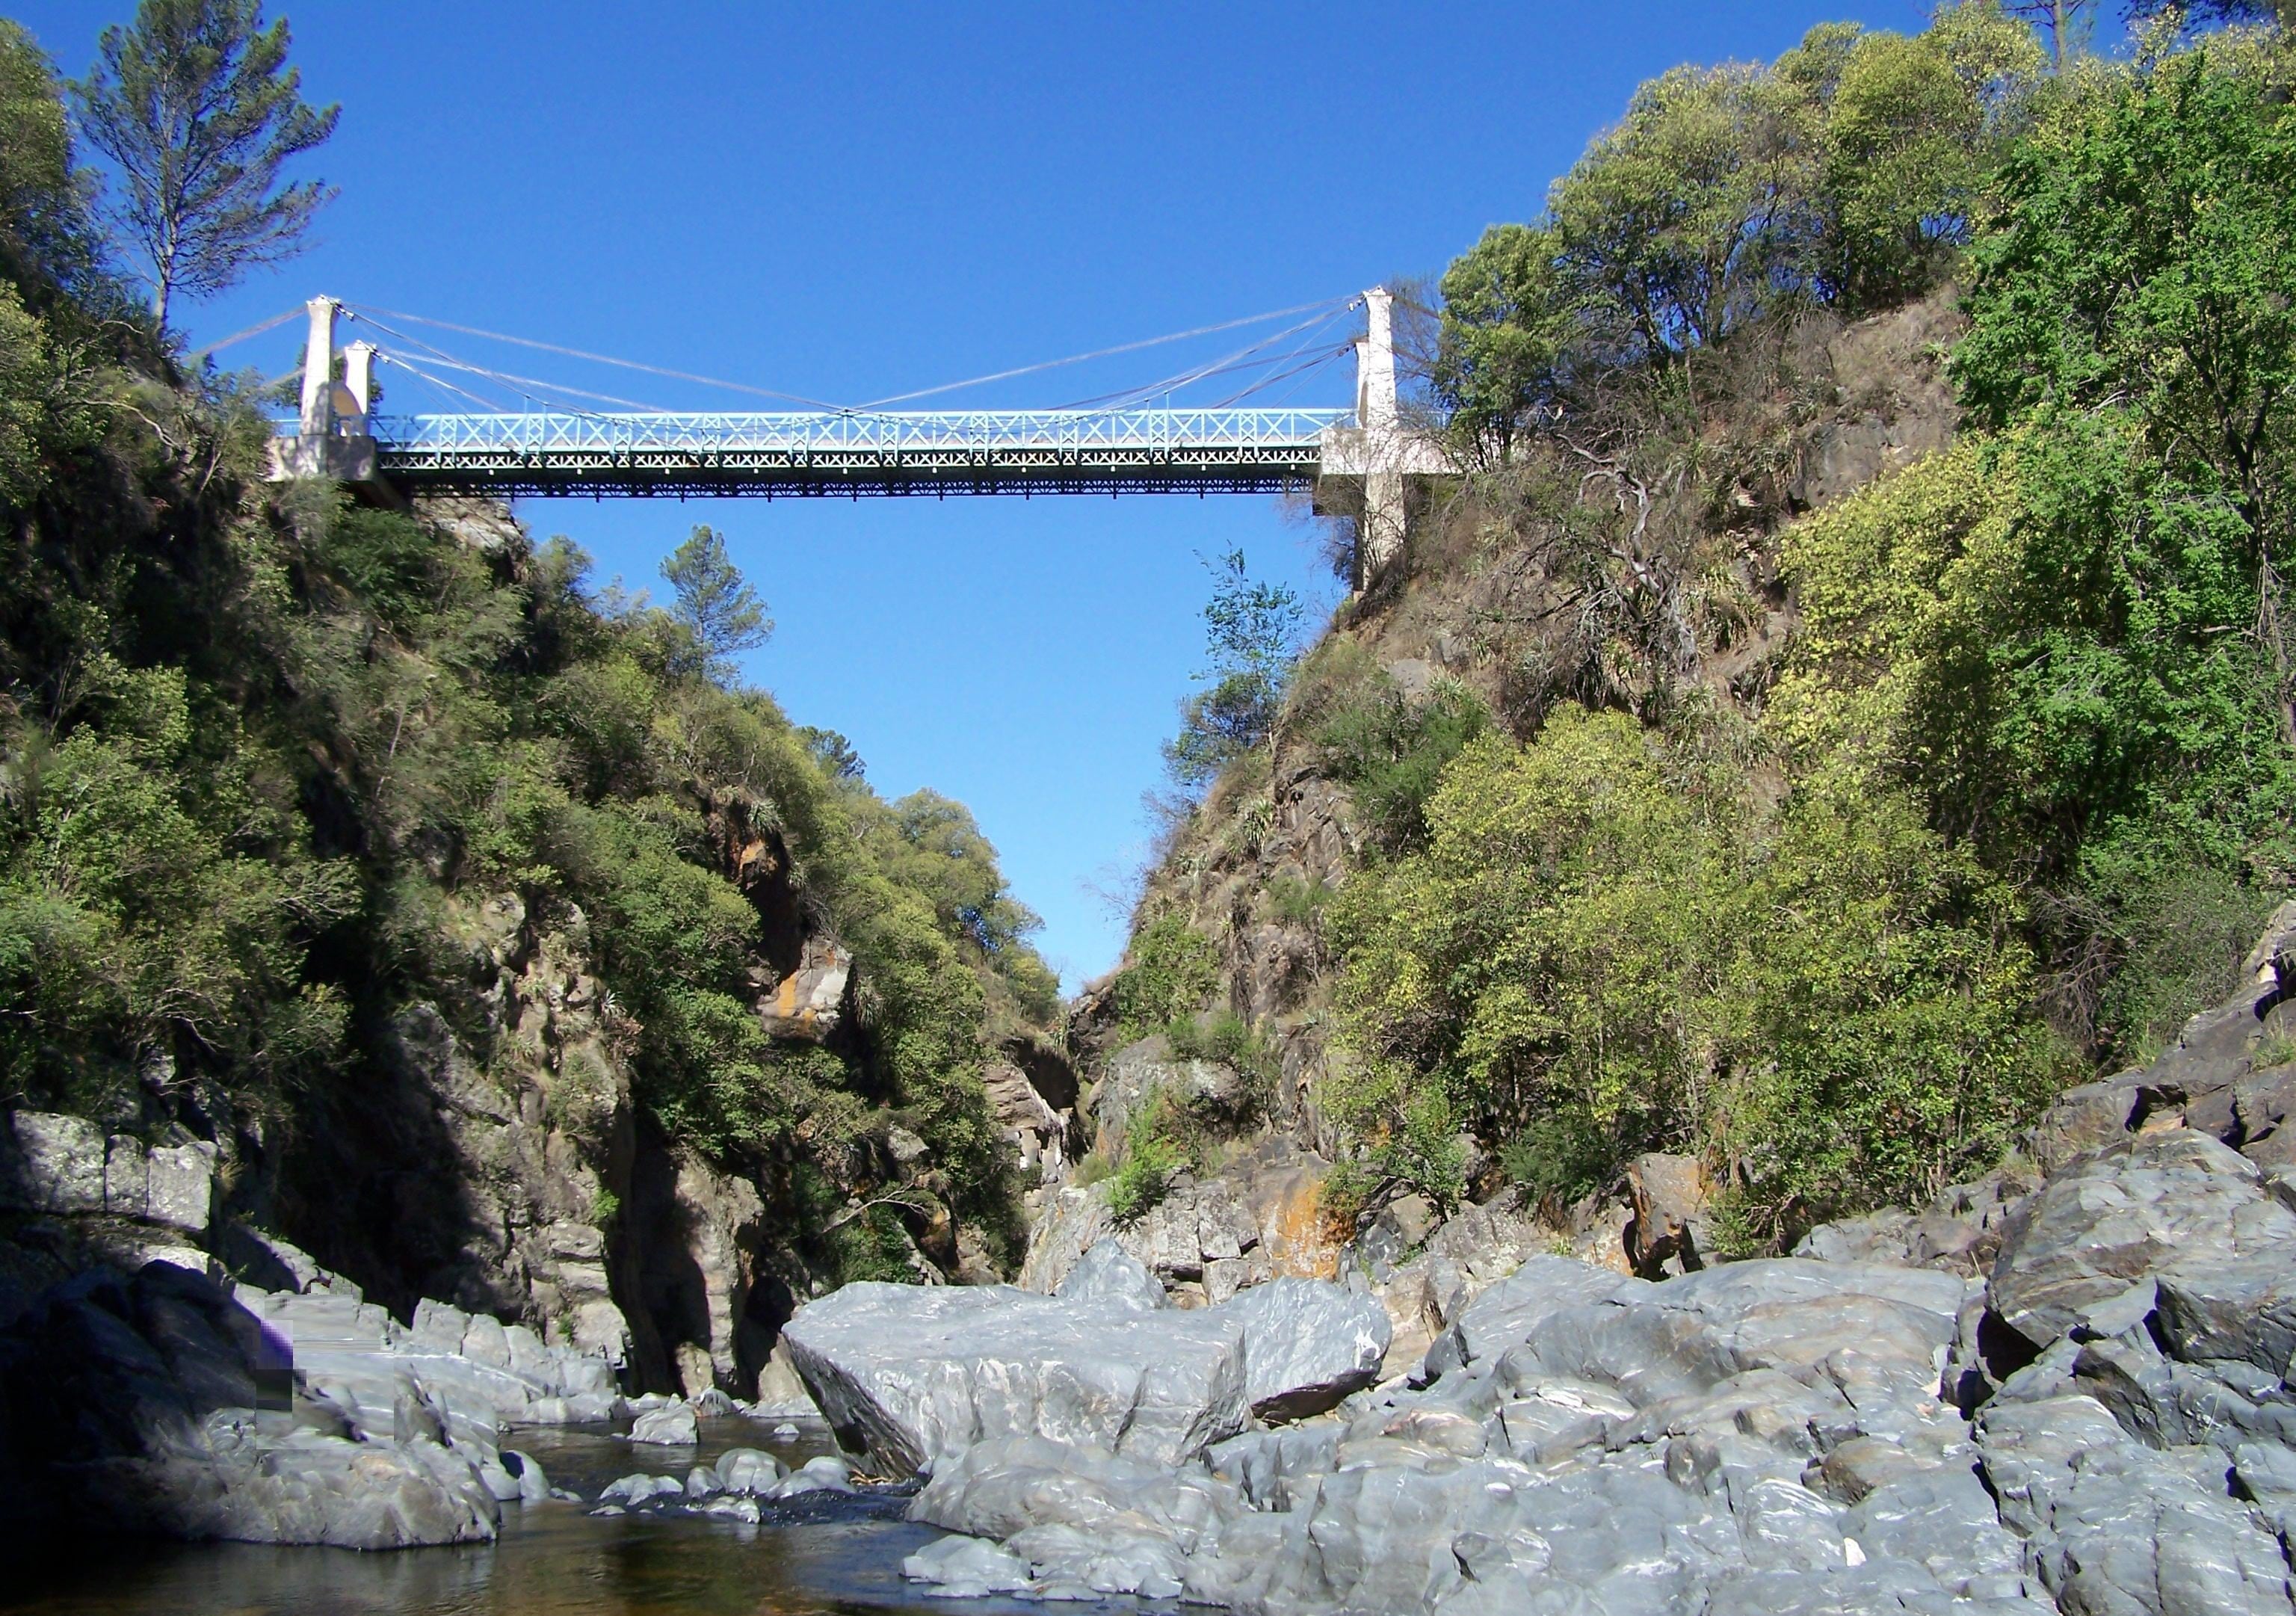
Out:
{"x": 855, "y": 452}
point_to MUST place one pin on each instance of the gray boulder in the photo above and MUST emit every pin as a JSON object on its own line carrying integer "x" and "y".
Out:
{"x": 1306, "y": 1344}
{"x": 132, "y": 1404}
{"x": 670, "y": 1426}
{"x": 749, "y": 1469}
{"x": 1110, "y": 1274}
{"x": 51, "y": 1162}
{"x": 2177, "y": 1209}
{"x": 1081, "y": 1520}
{"x": 2114, "y": 1526}
{"x": 633, "y": 1490}
{"x": 1511, "y": 1311}
{"x": 913, "y": 1374}
{"x": 967, "y": 1568}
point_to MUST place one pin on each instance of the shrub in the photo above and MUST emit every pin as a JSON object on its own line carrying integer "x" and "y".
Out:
{"x": 1173, "y": 969}
{"x": 1298, "y": 902}
{"x": 1143, "y": 1179}
{"x": 1590, "y": 960}
{"x": 1391, "y": 751}
{"x": 1229, "y": 1039}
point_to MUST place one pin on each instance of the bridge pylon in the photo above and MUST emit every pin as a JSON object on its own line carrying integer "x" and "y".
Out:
{"x": 333, "y": 437}
{"x": 1372, "y": 469}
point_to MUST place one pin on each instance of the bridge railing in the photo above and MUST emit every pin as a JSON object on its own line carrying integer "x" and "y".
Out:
{"x": 893, "y": 433}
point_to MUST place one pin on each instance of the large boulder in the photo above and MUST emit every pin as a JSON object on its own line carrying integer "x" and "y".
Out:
{"x": 1509, "y": 1312}
{"x": 1110, "y": 1274}
{"x": 2174, "y": 1208}
{"x": 138, "y": 1405}
{"x": 1307, "y": 1344}
{"x": 1672, "y": 1204}
{"x": 913, "y": 1374}
{"x": 2114, "y": 1527}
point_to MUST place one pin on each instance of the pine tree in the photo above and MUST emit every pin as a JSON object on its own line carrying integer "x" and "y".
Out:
{"x": 197, "y": 106}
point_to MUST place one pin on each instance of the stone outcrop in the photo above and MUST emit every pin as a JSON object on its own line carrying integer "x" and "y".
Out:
{"x": 478, "y": 1373}
{"x": 912, "y": 1375}
{"x": 1306, "y": 1345}
{"x": 96, "y": 1197}
{"x": 1109, "y": 1275}
{"x": 810, "y": 1002}
{"x": 1257, "y": 1220}
{"x": 1142, "y": 1071}
{"x": 1618, "y": 1446}
{"x": 1042, "y": 1131}
{"x": 159, "y": 1403}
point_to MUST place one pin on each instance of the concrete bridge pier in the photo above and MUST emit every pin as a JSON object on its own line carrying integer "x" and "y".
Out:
{"x": 333, "y": 437}
{"x": 1371, "y": 469}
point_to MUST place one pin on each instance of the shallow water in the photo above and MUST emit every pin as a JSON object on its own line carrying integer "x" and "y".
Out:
{"x": 551, "y": 1560}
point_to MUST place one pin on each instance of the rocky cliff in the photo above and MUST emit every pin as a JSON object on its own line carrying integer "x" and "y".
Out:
{"x": 1488, "y": 601}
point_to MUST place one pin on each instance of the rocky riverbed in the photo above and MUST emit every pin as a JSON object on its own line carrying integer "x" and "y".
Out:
{"x": 2064, "y": 1387}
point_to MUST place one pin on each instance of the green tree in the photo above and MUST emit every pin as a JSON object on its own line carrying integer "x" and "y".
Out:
{"x": 2066, "y": 24}
{"x": 1610, "y": 944}
{"x": 1848, "y": 173}
{"x": 1506, "y": 334}
{"x": 197, "y": 106}
{"x": 716, "y": 607}
{"x": 44, "y": 227}
{"x": 1252, "y": 630}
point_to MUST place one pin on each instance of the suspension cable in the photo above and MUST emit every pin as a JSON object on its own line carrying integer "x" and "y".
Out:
{"x": 1105, "y": 353}
{"x": 575, "y": 353}
{"x": 488, "y": 404}
{"x": 272, "y": 323}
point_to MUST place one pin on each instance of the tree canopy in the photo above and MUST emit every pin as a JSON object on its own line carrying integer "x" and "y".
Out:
{"x": 197, "y": 107}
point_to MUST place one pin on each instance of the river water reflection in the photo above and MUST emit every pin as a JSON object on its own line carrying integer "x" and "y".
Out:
{"x": 551, "y": 1560}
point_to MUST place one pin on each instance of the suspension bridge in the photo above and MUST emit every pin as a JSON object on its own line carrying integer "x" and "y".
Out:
{"x": 1362, "y": 463}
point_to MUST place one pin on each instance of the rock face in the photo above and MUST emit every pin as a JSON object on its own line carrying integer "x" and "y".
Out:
{"x": 1306, "y": 1345}
{"x": 1112, "y": 1275}
{"x": 1259, "y": 1219}
{"x": 135, "y": 1404}
{"x": 475, "y": 1373}
{"x": 911, "y": 1374}
{"x": 107, "y": 1198}
{"x": 1147, "y": 1068}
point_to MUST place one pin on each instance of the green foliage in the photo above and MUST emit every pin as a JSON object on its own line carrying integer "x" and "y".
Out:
{"x": 932, "y": 845}
{"x": 721, "y": 613}
{"x": 197, "y": 107}
{"x": 1228, "y": 1038}
{"x": 1848, "y": 173}
{"x": 1298, "y": 902}
{"x": 43, "y": 226}
{"x": 1391, "y": 751}
{"x": 1143, "y": 1179}
{"x": 44, "y": 411}
{"x": 2067, "y": 639}
{"x": 260, "y": 768}
{"x": 1252, "y": 630}
{"x": 1172, "y": 970}
{"x": 1609, "y": 946}
{"x": 132, "y": 923}
{"x": 873, "y": 1246}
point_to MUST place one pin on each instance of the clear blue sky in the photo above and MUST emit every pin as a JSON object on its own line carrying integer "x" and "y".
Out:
{"x": 848, "y": 200}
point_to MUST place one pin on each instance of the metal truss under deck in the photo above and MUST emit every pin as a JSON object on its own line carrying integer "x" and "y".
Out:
{"x": 1185, "y": 451}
